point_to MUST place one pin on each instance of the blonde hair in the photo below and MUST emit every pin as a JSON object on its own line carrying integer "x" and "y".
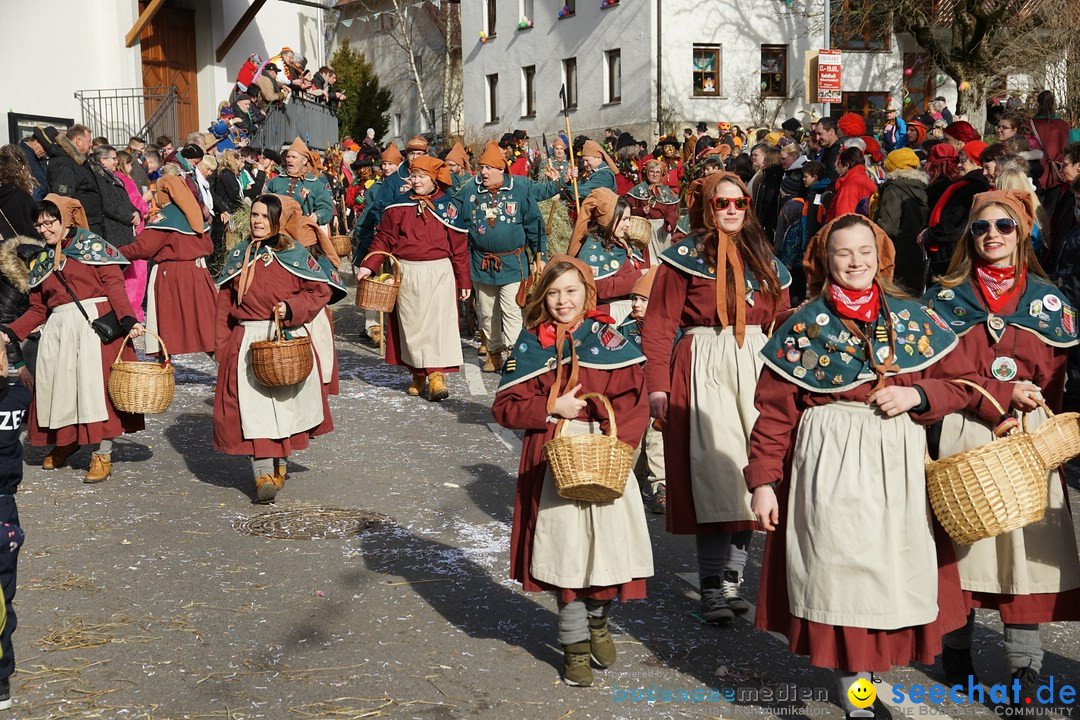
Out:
{"x": 535, "y": 311}
{"x": 962, "y": 264}
{"x": 1011, "y": 177}
{"x": 230, "y": 160}
{"x": 209, "y": 162}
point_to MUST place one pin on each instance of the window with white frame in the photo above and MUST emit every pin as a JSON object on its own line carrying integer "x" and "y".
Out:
{"x": 397, "y": 124}
{"x": 570, "y": 81}
{"x": 528, "y": 91}
{"x": 613, "y": 75}
{"x": 489, "y": 17}
{"x": 706, "y": 70}
{"x": 492, "y": 82}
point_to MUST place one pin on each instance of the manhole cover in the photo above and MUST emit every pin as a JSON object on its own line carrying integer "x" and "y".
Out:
{"x": 309, "y": 523}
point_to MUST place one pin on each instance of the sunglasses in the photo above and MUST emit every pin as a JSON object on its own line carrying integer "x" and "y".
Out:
{"x": 1004, "y": 226}
{"x": 721, "y": 203}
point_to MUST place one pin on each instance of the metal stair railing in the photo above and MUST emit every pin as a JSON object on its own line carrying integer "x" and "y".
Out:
{"x": 120, "y": 113}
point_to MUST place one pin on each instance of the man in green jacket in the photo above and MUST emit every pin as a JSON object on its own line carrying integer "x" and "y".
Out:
{"x": 302, "y": 183}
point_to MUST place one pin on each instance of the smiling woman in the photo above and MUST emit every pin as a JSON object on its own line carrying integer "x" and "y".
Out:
{"x": 849, "y": 380}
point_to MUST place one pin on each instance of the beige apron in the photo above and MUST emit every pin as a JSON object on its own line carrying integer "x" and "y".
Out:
{"x": 619, "y": 310}
{"x": 660, "y": 240}
{"x": 274, "y": 412}
{"x": 322, "y": 339}
{"x": 722, "y": 414}
{"x": 1039, "y": 558}
{"x": 70, "y": 387}
{"x": 152, "y": 345}
{"x": 426, "y": 302}
{"x": 860, "y": 544}
{"x": 583, "y": 544}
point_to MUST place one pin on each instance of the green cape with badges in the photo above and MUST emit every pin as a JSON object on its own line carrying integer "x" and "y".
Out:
{"x": 599, "y": 346}
{"x": 641, "y": 191}
{"x": 815, "y": 351}
{"x": 172, "y": 218}
{"x": 688, "y": 255}
{"x": 86, "y": 247}
{"x": 1042, "y": 310}
{"x": 604, "y": 261}
{"x": 296, "y": 260}
{"x": 447, "y": 210}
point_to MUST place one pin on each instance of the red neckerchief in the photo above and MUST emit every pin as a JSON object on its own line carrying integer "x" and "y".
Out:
{"x": 545, "y": 332}
{"x": 861, "y": 305}
{"x": 998, "y": 285}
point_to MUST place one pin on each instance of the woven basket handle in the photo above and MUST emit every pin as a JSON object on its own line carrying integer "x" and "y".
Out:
{"x": 613, "y": 429}
{"x": 392, "y": 259}
{"x": 1040, "y": 403}
{"x": 164, "y": 350}
{"x": 982, "y": 391}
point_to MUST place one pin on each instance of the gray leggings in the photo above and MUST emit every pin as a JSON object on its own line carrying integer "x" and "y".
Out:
{"x": 717, "y": 552}
{"x": 1023, "y": 644}
{"x": 574, "y": 618}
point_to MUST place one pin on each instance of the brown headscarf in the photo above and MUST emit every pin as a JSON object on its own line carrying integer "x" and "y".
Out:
{"x": 563, "y": 331}
{"x": 434, "y": 167}
{"x": 71, "y": 214}
{"x": 304, "y": 230}
{"x": 598, "y": 207}
{"x": 643, "y": 286}
{"x": 593, "y": 149}
{"x": 493, "y": 156}
{"x": 816, "y": 259}
{"x": 457, "y": 154}
{"x": 299, "y": 146}
{"x": 171, "y": 189}
{"x": 392, "y": 155}
{"x": 1019, "y": 201}
{"x": 416, "y": 143}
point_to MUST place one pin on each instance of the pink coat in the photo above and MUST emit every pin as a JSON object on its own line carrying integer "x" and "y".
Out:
{"x": 136, "y": 200}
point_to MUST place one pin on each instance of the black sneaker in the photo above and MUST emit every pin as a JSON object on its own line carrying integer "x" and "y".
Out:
{"x": 877, "y": 711}
{"x": 957, "y": 667}
{"x": 5, "y": 694}
{"x": 714, "y": 607}
{"x": 732, "y": 581}
{"x": 1029, "y": 686}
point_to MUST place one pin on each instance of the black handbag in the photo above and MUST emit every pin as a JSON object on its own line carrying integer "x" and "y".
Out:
{"x": 107, "y": 326}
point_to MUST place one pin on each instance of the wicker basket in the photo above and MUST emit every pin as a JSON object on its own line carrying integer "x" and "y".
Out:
{"x": 1058, "y": 439}
{"x": 342, "y": 245}
{"x": 374, "y": 295}
{"x": 989, "y": 490}
{"x": 280, "y": 362}
{"x": 142, "y": 387}
{"x": 593, "y": 468}
{"x": 640, "y": 232}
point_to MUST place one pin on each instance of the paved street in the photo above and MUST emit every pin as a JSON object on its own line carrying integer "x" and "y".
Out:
{"x": 140, "y": 598}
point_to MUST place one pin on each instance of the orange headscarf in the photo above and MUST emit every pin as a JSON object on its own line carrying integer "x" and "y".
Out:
{"x": 493, "y": 156}
{"x": 593, "y": 149}
{"x": 457, "y": 154}
{"x": 304, "y": 230}
{"x": 816, "y": 259}
{"x": 434, "y": 167}
{"x": 171, "y": 189}
{"x": 1019, "y": 201}
{"x": 71, "y": 214}
{"x": 392, "y": 155}
{"x": 598, "y": 207}
{"x": 300, "y": 147}
{"x": 643, "y": 286}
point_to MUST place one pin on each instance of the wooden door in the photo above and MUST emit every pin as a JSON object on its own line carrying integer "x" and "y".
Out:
{"x": 919, "y": 78}
{"x": 168, "y": 58}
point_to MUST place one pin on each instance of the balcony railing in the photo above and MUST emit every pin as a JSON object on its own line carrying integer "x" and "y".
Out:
{"x": 130, "y": 112}
{"x": 312, "y": 122}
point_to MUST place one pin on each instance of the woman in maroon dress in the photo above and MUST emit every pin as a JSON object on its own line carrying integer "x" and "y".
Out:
{"x": 588, "y": 553}
{"x": 723, "y": 289}
{"x": 1016, "y": 328}
{"x": 653, "y": 200}
{"x": 426, "y": 238}
{"x": 856, "y": 573}
{"x": 71, "y": 406}
{"x": 181, "y": 293}
{"x": 266, "y": 276}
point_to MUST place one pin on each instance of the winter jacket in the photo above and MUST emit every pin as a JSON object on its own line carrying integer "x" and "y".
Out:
{"x": 16, "y": 212}
{"x": 767, "y": 197}
{"x": 1060, "y": 205}
{"x": 902, "y": 214}
{"x": 851, "y": 187}
{"x": 37, "y": 169}
{"x": 827, "y": 157}
{"x": 952, "y": 212}
{"x": 226, "y": 189}
{"x": 896, "y": 137}
{"x": 792, "y": 184}
{"x": 1054, "y": 136}
{"x": 132, "y": 190}
{"x": 70, "y": 174}
{"x": 15, "y": 256}
{"x": 116, "y": 208}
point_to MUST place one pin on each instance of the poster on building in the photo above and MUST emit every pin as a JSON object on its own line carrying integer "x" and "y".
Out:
{"x": 828, "y": 77}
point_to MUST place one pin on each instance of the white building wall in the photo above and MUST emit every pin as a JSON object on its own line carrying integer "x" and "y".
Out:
{"x": 585, "y": 36}
{"x": 83, "y": 48}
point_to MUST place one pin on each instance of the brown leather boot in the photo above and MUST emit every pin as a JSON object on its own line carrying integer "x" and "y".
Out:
{"x": 267, "y": 486}
{"x": 493, "y": 363}
{"x": 282, "y": 471}
{"x": 417, "y": 387}
{"x": 375, "y": 333}
{"x": 100, "y": 469}
{"x": 437, "y": 389}
{"x": 58, "y": 456}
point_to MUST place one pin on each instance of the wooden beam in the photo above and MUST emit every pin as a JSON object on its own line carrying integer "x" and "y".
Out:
{"x": 144, "y": 20}
{"x": 241, "y": 26}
